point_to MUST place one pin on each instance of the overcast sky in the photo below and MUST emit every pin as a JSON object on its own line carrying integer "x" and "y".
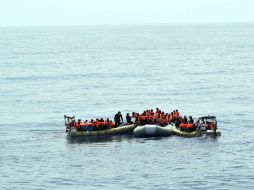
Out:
{"x": 79, "y": 12}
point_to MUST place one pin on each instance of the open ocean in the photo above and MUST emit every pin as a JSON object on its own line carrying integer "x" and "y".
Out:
{"x": 94, "y": 71}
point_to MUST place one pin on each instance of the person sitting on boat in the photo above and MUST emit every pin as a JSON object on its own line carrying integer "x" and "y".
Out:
{"x": 142, "y": 119}
{"x": 103, "y": 124}
{"x": 185, "y": 120}
{"x": 207, "y": 125}
{"x": 134, "y": 115}
{"x": 178, "y": 122}
{"x": 200, "y": 126}
{"x": 191, "y": 121}
{"x": 136, "y": 118}
{"x": 111, "y": 124}
{"x": 78, "y": 125}
{"x": 151, "y": 118}
{"x": 177, "y": 114}
{"x": 128, "y": 118}
{"x": 164, "y": 121}
{"x": 171, "y": 117}
{"x": 118, "y": 119}
{"x": 213, "y": 126}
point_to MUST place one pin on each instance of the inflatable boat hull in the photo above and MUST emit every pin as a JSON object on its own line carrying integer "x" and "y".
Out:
{"x": 152, "y": 131}
{"x": 195, "y": 133}
{"x": 122, "y": 130}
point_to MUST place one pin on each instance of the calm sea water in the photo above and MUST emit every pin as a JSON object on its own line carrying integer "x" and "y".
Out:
{"x": 94, "y": 71}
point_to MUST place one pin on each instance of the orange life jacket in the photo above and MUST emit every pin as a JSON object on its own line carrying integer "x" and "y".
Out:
{"x": 77, "y": 125}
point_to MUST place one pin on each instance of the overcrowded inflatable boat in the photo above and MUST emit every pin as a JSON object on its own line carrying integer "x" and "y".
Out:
{"x": 92, "y": 132}
{"x": 151, "y": 123}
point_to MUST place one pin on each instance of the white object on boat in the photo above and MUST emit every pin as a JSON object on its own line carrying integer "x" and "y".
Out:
{"x": 152, "y": 131}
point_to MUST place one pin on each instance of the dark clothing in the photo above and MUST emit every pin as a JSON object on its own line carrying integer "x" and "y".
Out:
{"x": 118, "y": 117}
{"x": 191, "y": 120}
{"x": 128, "y": 119}
{"x": 185, "y": 120}
{"x": 177, "y": 122}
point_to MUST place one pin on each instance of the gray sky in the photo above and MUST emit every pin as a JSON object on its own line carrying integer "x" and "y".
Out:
{"x": 79, "y": 12}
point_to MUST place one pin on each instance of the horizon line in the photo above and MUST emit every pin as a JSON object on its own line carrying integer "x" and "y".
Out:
{"x": 122, "y": 24}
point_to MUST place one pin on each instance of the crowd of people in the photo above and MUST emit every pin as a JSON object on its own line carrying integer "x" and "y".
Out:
{"x": 159, "y": 117}
{"x": 97, "y": 124}
{"x": 153, "y": 117}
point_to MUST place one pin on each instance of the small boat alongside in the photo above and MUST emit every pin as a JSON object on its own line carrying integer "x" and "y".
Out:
{"x": 152, "y": 131}
{"x": 205, "y": 126}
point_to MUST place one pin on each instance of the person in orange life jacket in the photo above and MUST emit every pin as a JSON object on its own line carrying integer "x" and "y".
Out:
{"x": 77, "y": 125}
{"x": 111, "y": 124}
{"x": 134, "y": 115}
{"x": 128, "y": 118}
{"x": 177, "y": 113}
{"x": 142, "y": 119}
{"x": 174, "y": 114}
{"x": 213, "y": 126}
{"x": 166, "y": 120}
{"x": 118, "y": 119}
{"x": 162, "y": 121}
{"x": 177, "y": 122}
{"x": 207, "y": 126}
{"x": 171, "y": 118}
{"x": 150, "y": 119}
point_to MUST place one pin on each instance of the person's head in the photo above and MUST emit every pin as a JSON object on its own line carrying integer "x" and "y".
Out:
{"x": 91, "y": 120}
{"x": 176, "y": 110}
{"x": 79, "y": 120}
{"x": 127, "y": 114}
{"x": 86, "y": 121}
{"x": 107, "y": 119}
{"x": 102, "y": 119}
{"x": 119, "y": 112}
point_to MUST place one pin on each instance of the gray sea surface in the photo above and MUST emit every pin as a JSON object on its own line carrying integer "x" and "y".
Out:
{"x": 94, "y": 71}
